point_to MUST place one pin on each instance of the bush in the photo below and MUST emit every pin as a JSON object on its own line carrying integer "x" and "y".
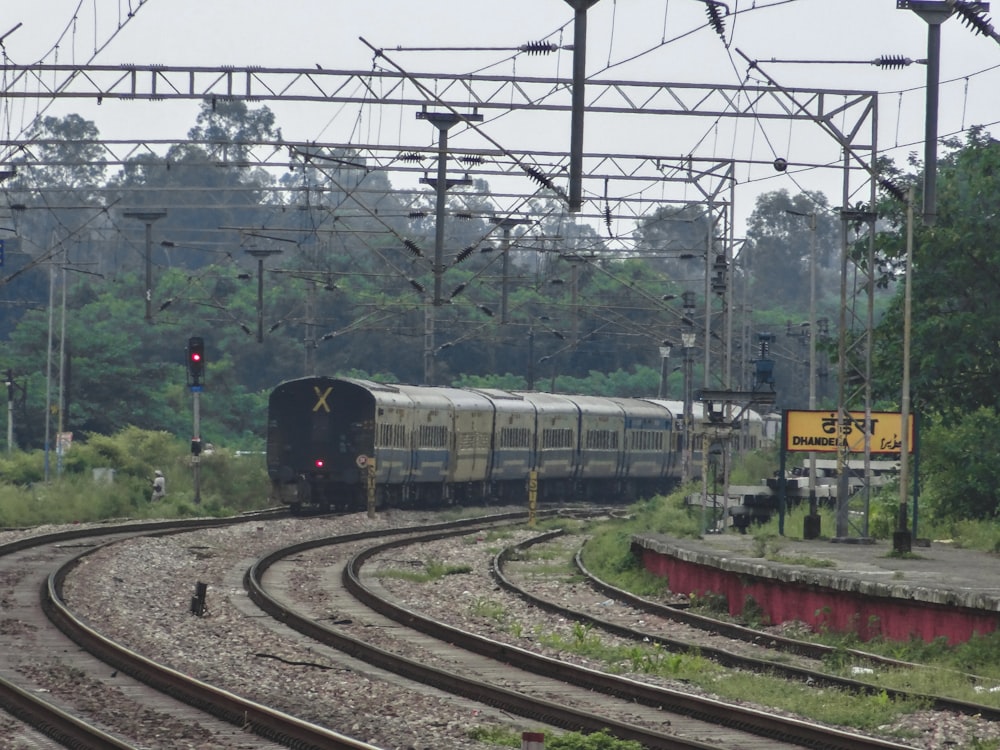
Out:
{"x": 228, "y": 483}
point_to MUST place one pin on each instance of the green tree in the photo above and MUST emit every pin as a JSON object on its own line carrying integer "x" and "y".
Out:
{"x": 780, "y": 249}
{"x": 960, "y": 477}
{"x": 955, "y": 339}
{"x": 955, "y": 328}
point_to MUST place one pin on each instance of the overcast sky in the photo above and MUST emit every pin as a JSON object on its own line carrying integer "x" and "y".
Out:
{"x": 634, "y": 40}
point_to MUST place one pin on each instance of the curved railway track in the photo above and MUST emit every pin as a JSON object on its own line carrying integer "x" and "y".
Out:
{"x": 82, "y": 690}
{"x": 499, "y": 677}
{"x": 544, "y": 689}
{"x": 775, "y": 644}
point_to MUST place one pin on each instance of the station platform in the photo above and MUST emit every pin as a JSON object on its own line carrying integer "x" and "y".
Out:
{"x": 841, "y": 585}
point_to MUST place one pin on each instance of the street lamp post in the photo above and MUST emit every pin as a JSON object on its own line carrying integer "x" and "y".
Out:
{"x": 687, "y": 341}
{"x": 811, "y": 523}
{"x": 147, "y": 217}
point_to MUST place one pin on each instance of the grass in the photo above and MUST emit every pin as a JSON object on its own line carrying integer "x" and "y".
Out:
{"x": 556, "y": 562}
{"x": 944, "y": 669}
{"x": 505, "y": 737}
{"x": 841, "y": 707}
{"x": 431, "y": 570}
{"x": 228, "y": 483}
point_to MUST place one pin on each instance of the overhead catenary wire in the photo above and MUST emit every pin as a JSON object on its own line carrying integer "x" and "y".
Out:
{"x": 540, "y": 47}
{"x": 890, "y": 62}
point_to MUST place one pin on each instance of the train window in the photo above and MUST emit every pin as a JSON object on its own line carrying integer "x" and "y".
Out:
{"x": 646, "y": 440}
{"x": 514, "y": 437}
{"x": 601, "y": 440}
{"x": 433, "y": 436}
{"x": 391, "y": 436}
{"x": 557, "y": 438}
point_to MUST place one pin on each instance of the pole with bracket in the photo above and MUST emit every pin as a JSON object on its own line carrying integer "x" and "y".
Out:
{"x": 580, "y": 8}
{"x": 443, "y": 121}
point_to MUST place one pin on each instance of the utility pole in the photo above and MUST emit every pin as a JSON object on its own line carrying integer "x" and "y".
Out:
{"x": 147, "y": 217}
{"x": 506, "y": 223}
{"x": 260, "y": 255}
{"x": 580, "y": 8}
{"x": 443, "y": 121}
{"x": 935, "y": 13}
{"x": 902, "y": 539}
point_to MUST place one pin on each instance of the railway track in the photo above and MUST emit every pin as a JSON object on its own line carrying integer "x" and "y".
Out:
{"x": 810, "y": 671}
{"x": 234, "y": 722}
{"x": 100, "y": 693}
{"x": 70, "y": 684}
{"x": 540, "y": 688}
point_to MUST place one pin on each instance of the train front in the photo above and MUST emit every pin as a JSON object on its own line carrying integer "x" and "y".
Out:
{"x": 317, "y": 428}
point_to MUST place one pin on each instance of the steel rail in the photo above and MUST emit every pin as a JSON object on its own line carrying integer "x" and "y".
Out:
{"x": 727, "y": 658}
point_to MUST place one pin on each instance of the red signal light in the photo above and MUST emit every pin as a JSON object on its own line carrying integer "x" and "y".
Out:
{"x": 196, "y": 359}
{"x": 319, "y": 463}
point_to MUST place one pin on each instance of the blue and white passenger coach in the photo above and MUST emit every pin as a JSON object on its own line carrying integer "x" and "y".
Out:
{"x": 329, "y": 438}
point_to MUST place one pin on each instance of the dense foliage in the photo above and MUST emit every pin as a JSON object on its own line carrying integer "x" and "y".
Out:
{"x": 329, "y": 269}
{"x": 955, "y": 323}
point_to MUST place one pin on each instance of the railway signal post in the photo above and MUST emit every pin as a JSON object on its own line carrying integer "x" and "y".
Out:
{"x": 196, "y": 372}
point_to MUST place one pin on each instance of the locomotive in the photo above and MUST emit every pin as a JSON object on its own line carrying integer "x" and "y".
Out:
{"x": 333, "y": 443}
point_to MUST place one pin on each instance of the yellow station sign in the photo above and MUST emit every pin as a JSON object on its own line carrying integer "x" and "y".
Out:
{"x": 823, "y": 431}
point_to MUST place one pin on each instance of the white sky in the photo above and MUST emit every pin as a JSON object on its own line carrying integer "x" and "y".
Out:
{"x": 670, "y": 41}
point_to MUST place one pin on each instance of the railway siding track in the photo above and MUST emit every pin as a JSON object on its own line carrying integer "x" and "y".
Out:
{"x": 754, "y": 728}
{"x": 765, "y": 641}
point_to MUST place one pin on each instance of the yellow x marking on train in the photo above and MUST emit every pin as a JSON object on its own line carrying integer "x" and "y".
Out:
{"x": 321, "y": 399}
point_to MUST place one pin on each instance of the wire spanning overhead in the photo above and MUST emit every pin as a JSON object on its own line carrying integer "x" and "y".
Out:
{"x": 540, "y": 47}
{"x": 889, "y": 62}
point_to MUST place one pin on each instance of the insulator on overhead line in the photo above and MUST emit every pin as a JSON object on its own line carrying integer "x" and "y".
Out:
{"x": 972, "y": 18}
{"x": 457, "y": 291}
{"x": 892, "y": 189}
{"x": 410, "y": 156}
{"x": 538, "y": 48}
{"x": 537, "y": 175}
{"x": 472, "y": 159}
{"x": 464, "y": 254}
{"x": 417, "y": 215}
{"x": 715, "y": 17}
{"x": 412, "y": 247}
{"x": 416, "y": 285}
{"x": 892, "y": 62}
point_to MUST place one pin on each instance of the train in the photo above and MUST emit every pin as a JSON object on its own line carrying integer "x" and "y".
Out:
{"x": 346, "y": 444}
